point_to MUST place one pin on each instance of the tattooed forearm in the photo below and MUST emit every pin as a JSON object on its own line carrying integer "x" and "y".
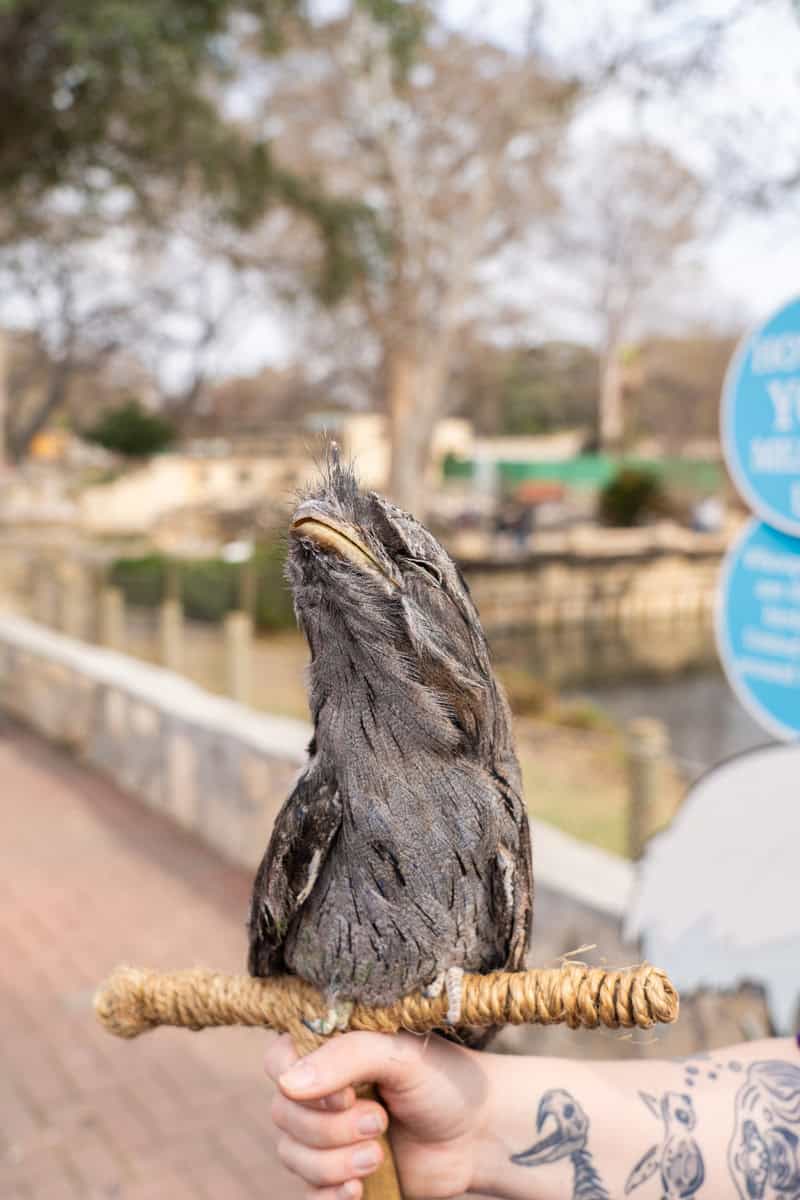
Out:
{"x": 763, "y": 1156}
{"x": 709, "y": 1069}
{"x": 677, "y": 1158}
{"x": 563, "y": 1129}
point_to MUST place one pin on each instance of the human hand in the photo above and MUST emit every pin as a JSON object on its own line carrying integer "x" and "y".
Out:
{"x": 435, "y": 1091}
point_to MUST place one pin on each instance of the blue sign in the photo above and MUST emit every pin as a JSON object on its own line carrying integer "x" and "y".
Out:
{"x": 761, "y": 419}
{"x": 758, "y": 627}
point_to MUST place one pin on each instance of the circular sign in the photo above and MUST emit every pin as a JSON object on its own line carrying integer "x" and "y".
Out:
{"x": 760, "y": 419}
{"x": 758, "y": 627}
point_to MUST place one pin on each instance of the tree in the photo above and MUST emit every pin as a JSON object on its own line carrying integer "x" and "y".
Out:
{"x": 116, "y": 92}
{"x": 522, "y": 389}
{"x": 131, "y": 430}
{"x": 628, "y": 210}
{"x": 76, "y": 314}
{"x": 677, "y": 398}
{"x": 118, "y": 112}
{"x": 454, "y": 157}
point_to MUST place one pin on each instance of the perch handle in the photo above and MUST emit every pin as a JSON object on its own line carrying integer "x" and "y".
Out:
{"x": 382, "y": 1184}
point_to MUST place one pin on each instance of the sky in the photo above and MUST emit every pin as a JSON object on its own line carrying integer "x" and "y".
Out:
{"x": 744, "y": 266}
{"x": 753, "y": 263}
{"x": 750, "y": 263}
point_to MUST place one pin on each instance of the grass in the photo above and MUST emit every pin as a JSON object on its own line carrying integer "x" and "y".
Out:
{"x": 575, "y": 779}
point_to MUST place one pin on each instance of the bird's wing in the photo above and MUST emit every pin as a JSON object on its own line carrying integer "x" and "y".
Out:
{"x": 512, "y": 887}
{"x": 645, "y": 1167}
{"x": 301, "y": 838}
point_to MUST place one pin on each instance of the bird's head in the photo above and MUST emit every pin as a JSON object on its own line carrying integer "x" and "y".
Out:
{"x": 563, "y": 1126}
{"x": 389, "y": 620}
{"x": 678, "y": 1111}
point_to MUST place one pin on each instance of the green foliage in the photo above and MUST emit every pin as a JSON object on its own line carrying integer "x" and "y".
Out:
{"x": 131, "y": 430}
{"x": 79, "y": 79}
{"x": 142, "y": 581}
{"x": 117, "y": 94}
{"x": 549, "y": 387}
{"x": 406, "y": 22}
{"x": 540, "y": 389}
{"x": 352, "y": 236}
{"x": 632, "y": 494}
{"x": 274, "y": 608}
{"x": 209, "y": 588}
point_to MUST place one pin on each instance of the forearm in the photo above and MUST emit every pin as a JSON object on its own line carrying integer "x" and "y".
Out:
{"x": 726, "y": 1123}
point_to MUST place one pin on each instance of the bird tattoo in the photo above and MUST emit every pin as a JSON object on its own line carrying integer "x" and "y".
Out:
{"x": 564, "y": 1129}
{"x": 402, "y": 857}
{"x": 678, "y": 1160}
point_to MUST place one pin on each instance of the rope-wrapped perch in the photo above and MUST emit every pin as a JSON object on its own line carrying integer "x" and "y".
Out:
{"x": 134, "y": 1000}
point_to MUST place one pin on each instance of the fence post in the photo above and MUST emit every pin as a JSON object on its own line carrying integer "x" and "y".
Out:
{"x": 239, "y": 656}
{"x": 43, "y": 599}
{"x": 248, "y": 587}
{"x": 73, "y": 600}
{"x": 112, "y": 618}
{"x": 170, "y": 634}
{"x": 647, "y": 745}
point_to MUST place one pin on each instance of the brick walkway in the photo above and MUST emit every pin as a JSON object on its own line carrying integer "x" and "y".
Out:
{"x": 88, "y": 879}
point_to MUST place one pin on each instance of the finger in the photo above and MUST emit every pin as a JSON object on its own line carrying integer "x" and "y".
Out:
{"x": 336, "y": 1102}
{"x": 390, "y": 1059}
{"x": 282, "y": 1055}
{"x": 329, "y": 1168}
{"x": 325, "y": 1130}
{"x": 352, "y": 1190}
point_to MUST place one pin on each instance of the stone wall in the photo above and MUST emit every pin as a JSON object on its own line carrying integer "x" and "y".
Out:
{"x": 213, "y": 766}
{"x": 563, "y": 590}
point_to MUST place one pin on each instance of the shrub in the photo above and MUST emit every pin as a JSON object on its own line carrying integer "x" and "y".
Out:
{"x": 632, "y": 494}
{"x": 131, "y": 430}
{"x": 209, "y": 587}
{"x": 274, "y": 608}
{"x": 142, "y": 580}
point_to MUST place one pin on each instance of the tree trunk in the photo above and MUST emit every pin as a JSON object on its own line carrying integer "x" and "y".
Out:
{"x": 21, "y": 436}
{"x": 3, "y": 396}
{"x": 611, "y": 416}
{"x": 414, "y": 394}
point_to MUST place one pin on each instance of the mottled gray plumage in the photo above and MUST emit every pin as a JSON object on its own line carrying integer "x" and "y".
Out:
{"x": 404, "y": 848}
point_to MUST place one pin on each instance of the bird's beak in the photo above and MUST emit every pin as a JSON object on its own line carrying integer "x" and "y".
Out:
{"x": 313, "y": 521}
{"x": 545, "y": 1149}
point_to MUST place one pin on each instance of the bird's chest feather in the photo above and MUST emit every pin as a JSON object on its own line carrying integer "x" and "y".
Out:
{"x": 404, "y": 893}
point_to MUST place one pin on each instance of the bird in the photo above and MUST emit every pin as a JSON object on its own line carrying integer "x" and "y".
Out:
{"x": 402, "y": 857}
{"x": 678, "y": 1159}
{"x": 568, "y": 1130}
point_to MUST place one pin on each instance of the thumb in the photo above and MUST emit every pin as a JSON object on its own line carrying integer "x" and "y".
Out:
{"x": 391, "y": 1060}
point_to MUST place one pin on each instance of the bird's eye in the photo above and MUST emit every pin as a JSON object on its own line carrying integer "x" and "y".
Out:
{"x": 427, "y": 568}
{"x": 569, "y": 1109}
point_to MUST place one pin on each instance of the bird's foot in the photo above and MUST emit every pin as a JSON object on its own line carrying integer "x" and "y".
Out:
{"x": 450, "y": 981}
{"x": 337, "y": 1018}
{"x": 434, "y": 989}
{"x": 453, "y": 982}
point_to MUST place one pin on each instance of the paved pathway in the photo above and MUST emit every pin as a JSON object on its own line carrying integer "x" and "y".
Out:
{"x": 88, "y": 879}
